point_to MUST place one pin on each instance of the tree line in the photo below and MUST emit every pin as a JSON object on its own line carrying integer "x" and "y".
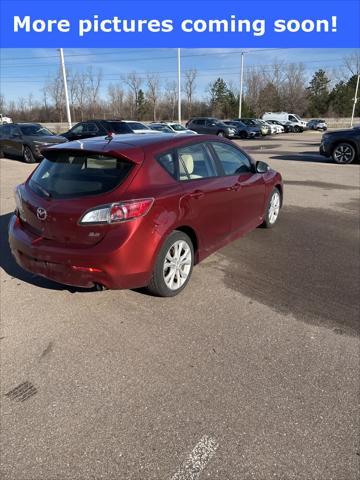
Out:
{"x": 279, "y": 87}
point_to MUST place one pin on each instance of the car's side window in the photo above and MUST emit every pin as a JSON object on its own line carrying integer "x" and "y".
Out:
{"x": 14, "y": 131}
{"x": 5, "y": 131}
{"x": 78, "y": 129}
{"x": 195, "y": 162}
{"x": 232, "y": 160}
{"x": 91, "y": 127}
{"x": 167, "y": 162}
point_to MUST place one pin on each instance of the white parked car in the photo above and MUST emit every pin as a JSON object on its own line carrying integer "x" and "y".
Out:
{"x": 283, "y": 117}
{"x": 4, "y": 119}
{"x": 175, "y": 128}
{"x": 273, "y": 128}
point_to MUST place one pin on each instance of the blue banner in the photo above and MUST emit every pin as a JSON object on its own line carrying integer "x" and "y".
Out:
{"x": 184, "y": 23}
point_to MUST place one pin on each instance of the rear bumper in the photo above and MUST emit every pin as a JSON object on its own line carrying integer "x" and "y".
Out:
{"x": 114, "y": 269}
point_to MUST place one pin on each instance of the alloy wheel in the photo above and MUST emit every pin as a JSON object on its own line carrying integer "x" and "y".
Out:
{"x": 344, "y": 153}
{"x": 274, "y": 207}
{"x": 177, "y": 265}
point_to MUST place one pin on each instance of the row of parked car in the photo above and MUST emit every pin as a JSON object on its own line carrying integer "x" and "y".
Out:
{"x": 27, "y": 139}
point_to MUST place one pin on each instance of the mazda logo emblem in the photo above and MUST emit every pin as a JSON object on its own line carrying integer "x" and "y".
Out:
{"x": 41, "y": 213}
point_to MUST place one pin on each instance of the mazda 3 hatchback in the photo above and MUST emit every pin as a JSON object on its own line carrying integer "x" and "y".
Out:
{"x": 130, "y": 211}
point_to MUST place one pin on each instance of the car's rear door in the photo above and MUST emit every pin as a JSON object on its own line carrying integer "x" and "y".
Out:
{"x": 206, "y": 196}
{"x": 247, "y": 187}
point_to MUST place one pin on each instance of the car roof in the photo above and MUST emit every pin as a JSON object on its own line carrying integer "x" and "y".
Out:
{"x": 135, "y": 142}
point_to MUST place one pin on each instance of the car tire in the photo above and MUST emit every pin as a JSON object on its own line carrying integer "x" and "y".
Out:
{"x": 221, "y": 134}
{"x": 28, "y": 156}
{"x": 2, "y": 153}
{"x": 297, "y": 129}
{"x": 169, "y": 279}
{"x": 243, "y": 135}
{"x": 272, "y": 209}
{"x": 344, "y": 153}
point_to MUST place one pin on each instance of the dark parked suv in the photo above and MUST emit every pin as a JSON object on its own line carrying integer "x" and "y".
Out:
{"x": 99, "y": 128}
{"x": 211, "y": 126}
{"x": 343, "y": 146}
{"x": 26, "y": 140}
{"x": 244, "y": 131}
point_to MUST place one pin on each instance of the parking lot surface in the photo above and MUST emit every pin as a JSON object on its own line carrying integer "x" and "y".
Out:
{"x": 250, "y": 373}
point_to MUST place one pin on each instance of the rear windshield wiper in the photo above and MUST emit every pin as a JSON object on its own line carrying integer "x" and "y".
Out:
{"x": 42, "y": 190}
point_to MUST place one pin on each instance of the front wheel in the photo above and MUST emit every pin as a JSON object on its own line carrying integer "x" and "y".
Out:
{"x": 28, "y": 155}
{"x": 273, "y": 209}
{"x": 344, "y": 153}
{"x": 173, "y": 266}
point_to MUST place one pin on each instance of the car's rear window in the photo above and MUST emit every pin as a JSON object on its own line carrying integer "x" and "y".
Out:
{"x": 68, "y": 175}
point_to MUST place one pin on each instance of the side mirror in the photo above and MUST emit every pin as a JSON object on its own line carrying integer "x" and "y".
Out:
{"x": 262, "y": 167}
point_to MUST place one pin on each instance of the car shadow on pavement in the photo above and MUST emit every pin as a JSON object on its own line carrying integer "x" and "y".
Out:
{"x": 9, "y": 265}
{"x": 303, "y": 157}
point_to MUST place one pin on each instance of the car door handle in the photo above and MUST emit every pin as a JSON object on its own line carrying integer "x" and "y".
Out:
{"x": 197, "y": 194}
{"x": 234, "y": 187}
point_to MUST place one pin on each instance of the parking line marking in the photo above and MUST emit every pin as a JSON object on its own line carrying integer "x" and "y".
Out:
{"x": 197, "y": 460}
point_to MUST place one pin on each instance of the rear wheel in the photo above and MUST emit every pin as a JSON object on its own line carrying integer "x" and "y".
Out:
{"x": 28, "y": 155}
{"x": 297, "y": 129}
{"x": 243, "y": 135}
{"x": 273, "y": 209}
{"x": 344, "y": 153}
{"x": 173, "y": 266}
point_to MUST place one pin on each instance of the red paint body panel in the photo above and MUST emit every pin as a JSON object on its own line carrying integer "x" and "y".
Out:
{"x": 217, "y": 210}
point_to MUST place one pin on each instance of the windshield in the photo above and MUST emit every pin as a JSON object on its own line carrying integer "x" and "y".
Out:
{"x": 177, "y": 127}
{"x": 64, "y": 174}
{"x": 161, "y": 128}
{"x": 34, "y": 130}
{"x": 137, "y": 126}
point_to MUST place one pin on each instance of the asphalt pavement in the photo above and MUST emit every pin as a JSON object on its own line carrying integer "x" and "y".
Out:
{"x": 251, "y": 373}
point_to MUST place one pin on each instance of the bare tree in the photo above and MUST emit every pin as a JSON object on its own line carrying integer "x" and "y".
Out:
{"x": 2, "y": 104}
{"x": 116, "y": 97}
{"x": 133, "y": 81}
{"x": 352, "y": 63}
{"x": 93, "y": 87}
{"x": 55, "y": 90}
{"x": 171, "y": 96}
{"x": 153, "y": 85}
{"x": 190, "y": 86}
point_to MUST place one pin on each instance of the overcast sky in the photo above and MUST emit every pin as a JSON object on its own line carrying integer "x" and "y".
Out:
{"x": 24, "y": 71}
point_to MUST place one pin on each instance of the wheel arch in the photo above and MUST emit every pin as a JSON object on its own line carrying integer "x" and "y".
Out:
{"x": 190, "y": 232}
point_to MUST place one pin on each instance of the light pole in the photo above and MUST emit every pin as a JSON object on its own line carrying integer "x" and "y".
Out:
{"x": 355, "y": 101}
{"x": 179, "y": 84}
{"x": 241, "y": 83}
{"x": 62, "y": 60}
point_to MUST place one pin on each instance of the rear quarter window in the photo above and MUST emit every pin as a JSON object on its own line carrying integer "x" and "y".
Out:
{"x": 69, "y": 175}
{"x": 168, "y": 163}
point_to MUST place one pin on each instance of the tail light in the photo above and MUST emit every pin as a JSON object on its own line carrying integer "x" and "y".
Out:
{"x": 19, "y": 206}
{"x": 117, "y": 212}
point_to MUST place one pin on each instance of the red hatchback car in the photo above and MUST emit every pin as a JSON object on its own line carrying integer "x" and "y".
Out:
{"x": 138, "y": 210}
